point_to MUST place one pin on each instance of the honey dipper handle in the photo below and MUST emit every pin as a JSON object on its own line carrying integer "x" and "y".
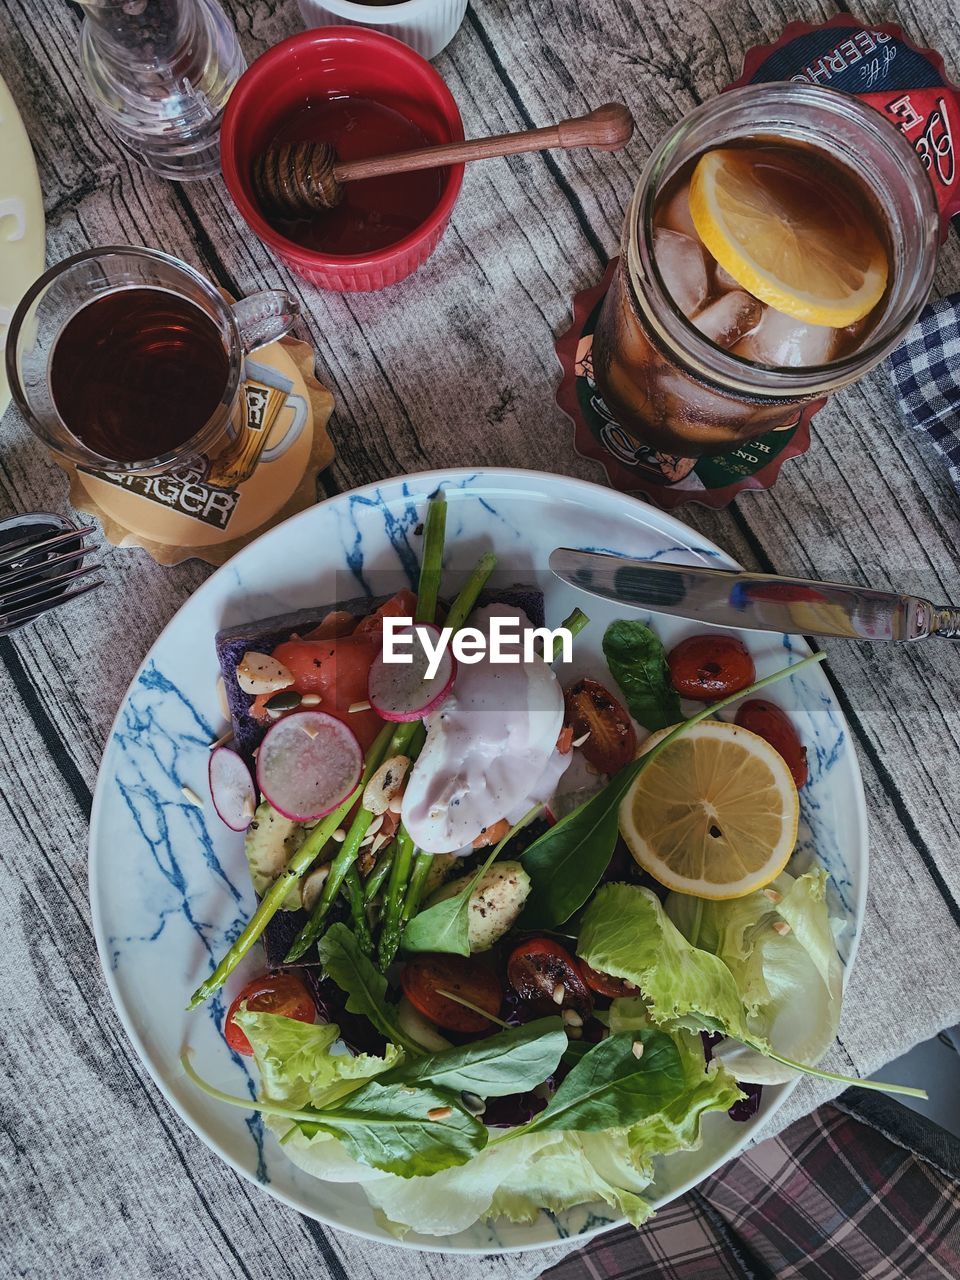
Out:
{"x": 607, "y": 128}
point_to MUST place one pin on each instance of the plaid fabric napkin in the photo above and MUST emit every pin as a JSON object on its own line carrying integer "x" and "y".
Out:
{"x": 862, "y": 1187}
{"x": 925, "y": 370}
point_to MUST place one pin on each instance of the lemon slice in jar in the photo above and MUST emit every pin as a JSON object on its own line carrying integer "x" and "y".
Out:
{"x": 784, "y": 226}
{"x": 714, "y": 814}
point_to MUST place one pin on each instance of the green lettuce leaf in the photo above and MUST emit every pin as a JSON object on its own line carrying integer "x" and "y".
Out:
{"x": 582, "y": 1168}
{"x": 791, "y": 983}
{"x": 625, "y": 932}
{"x": 516, "y": 1178}
{"x": 298, "y": 1063}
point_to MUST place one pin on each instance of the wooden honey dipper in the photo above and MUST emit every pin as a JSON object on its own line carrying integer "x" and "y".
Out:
{"x": 298, "y": 179}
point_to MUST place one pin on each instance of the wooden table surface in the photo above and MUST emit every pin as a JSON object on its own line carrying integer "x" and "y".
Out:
{"x": 454, "y": 367}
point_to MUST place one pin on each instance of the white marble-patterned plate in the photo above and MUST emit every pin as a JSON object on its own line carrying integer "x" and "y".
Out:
{"x": 168, "y": 881}
{"x": 21, "y": 221}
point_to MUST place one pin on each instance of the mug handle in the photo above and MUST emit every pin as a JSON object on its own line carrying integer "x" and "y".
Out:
{"x": 265, "y": 317}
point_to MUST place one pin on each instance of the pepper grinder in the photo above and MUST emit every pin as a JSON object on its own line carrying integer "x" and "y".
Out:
{"x": 160, "y": 73}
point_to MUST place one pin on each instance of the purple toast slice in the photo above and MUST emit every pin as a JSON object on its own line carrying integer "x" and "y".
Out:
{"x": 263, "y": 636}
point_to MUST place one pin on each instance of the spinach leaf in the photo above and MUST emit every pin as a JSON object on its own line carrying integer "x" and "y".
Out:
{"x": 446, "y": 925}
{"x": 402, "y": 1130}
{"x": 612, "y": 1088}
{"x": 506, "y": 1063}
{"x": 638, "y": 663}
{"x": 365, "y": 986}
{"x": 566, "y": 863}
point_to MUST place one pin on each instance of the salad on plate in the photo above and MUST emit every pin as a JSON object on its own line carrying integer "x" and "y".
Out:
{"x": 521, "y": 934}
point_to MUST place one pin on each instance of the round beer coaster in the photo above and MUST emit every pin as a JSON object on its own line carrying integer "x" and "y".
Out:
{"x": 664, "y": 478}
{"x": 209, "y": 507}
{"x": 876, "y": 62}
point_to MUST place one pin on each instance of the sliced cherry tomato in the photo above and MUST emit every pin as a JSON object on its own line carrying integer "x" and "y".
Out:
{"x": 593, "y": 710}
{"x": 425, "y": 976}
{"x": 539, "y": 967}
{"x": 604, "y": 983}
{"x": 771, "y": 723}
{"x": 710, "y": 667}
{"x": 281, "y": 993}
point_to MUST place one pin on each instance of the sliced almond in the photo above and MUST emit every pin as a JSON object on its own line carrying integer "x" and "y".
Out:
{"x": 637, "y": 1048}
{"x": 260, "y": 673}
{"x": 311, "y": 886}
{"x": 190, "y": 795}
{"x": 358, "y": 706}
{"x": 386, "y": 784}
{"x": 222, "y": 740}
{"x": 782, "y": 927}
{"x": 310, "y": 700}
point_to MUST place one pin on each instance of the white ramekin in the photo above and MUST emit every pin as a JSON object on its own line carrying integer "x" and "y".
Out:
{"x": 425, "y": 25}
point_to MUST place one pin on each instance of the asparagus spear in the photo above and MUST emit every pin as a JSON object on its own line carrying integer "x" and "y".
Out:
{"x": 403, "y": 741}
{"x": 574, "y": 623}
{"x": 296, "y": 868}
{"x": 421, "y": 869}
{"x": 431, "y": 563}
{"x": 354, "y": 892}
{"x": 374, "y": 881}
{"x": 407, "y": 739}
{"x": 393, "y": 904}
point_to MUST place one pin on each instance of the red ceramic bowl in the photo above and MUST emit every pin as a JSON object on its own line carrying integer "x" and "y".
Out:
{"x": 325, "y": 63}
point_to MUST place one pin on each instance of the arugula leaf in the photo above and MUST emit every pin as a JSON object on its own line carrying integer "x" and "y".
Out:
{"x": 566, "y": 863}
{"x": 612, "y": 1088}
{"x": 389, "y": 1127}
{"x": 365, "y": 985}
{"x": 638, "y": 663}
{"x": 445, "y": 926}
{"x": 506, "y": 1063}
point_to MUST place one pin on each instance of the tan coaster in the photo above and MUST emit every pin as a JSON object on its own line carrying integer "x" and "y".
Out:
{"x": 210, "y": 507}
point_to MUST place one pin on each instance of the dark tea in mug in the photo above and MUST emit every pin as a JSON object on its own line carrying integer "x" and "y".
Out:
{"x": 137, "y": 372}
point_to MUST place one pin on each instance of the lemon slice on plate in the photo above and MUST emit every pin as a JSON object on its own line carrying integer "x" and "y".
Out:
{"x": 794, "y": 240}
{"x": 714, "y": 814}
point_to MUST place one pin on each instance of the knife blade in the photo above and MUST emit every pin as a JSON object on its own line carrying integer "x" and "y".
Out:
{"x": 754, "y": 601}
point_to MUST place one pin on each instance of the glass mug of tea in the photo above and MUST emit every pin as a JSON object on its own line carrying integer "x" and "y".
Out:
{"x": 128, "y": 360}
{"x": 781, "y": 241}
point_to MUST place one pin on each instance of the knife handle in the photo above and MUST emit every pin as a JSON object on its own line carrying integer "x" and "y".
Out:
{"x": 946, "y": 622}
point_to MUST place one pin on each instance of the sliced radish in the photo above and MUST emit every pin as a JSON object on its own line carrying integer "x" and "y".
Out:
{"x": 401, "y": 690}
{"x": 308, "y": 762}
{"x": 231, "y": 789}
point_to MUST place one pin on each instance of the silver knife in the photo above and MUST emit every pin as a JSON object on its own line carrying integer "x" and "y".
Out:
{"x": 755, "y": 601}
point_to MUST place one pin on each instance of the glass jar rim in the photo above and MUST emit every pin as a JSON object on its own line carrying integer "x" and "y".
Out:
{"x": 678, "y": 334}
{"x": 81, "y": 454}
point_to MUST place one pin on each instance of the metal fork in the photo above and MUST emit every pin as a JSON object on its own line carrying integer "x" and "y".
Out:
{"x": 41, "y": 555}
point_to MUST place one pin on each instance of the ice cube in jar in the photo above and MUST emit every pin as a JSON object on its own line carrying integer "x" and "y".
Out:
{"x": 683, "y": 266}
{"x": 675, "y": 215}
{"x": 786, "y": 343}
{"x": 729, "y": 317}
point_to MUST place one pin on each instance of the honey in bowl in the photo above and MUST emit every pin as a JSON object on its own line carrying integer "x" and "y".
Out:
{"x": 376, "y": 212}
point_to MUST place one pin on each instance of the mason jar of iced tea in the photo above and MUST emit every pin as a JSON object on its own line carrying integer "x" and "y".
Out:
{"x": 780, "y": 242}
